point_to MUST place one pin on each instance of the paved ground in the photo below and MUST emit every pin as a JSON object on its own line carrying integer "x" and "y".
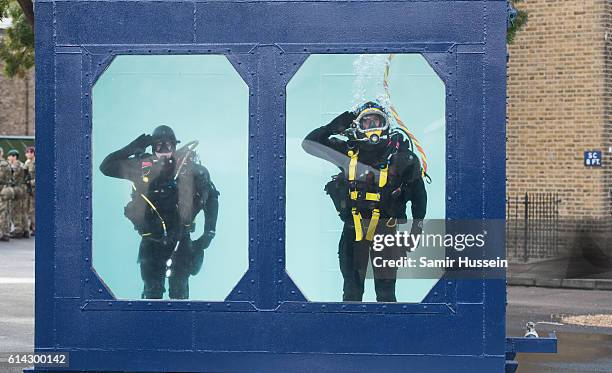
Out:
{"x": 581, "y": 349}
{"x": 17, "y": 294}
{"x": 17, "y": 298}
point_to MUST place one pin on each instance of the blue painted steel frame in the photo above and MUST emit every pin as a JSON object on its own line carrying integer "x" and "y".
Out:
{"x": 265, "y": 325}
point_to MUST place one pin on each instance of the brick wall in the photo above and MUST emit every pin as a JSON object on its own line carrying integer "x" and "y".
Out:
{"x": 607, "y": 125}
{"x": 559, "y": 105}
{"x": 13, "y": 117}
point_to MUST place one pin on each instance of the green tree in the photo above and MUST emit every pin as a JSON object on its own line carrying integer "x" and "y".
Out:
{"x": 17, "y": 44}
{"x": 517, "y": 22}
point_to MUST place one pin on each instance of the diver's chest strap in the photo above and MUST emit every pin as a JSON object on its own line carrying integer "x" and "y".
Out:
{"x": 374, "y": 197}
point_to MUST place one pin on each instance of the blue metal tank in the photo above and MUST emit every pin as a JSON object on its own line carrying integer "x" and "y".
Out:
{"x": 266, "y": 324}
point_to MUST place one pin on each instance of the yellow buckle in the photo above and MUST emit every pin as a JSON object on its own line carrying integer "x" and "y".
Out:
{"x": 372, "y": 197}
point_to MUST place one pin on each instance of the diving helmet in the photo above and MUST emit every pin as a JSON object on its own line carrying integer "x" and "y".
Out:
{"x": 371, "y": 124}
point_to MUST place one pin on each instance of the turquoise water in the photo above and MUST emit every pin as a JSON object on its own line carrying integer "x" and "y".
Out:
{"x": 325, "y": 86}
{"x": 201, "y": 98}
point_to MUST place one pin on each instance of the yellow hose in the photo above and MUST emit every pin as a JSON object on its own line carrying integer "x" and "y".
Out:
{"x": 399, "y": 121}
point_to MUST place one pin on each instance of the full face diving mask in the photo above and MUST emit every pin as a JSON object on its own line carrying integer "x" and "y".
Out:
{"x": 164, "y": 148}
{"x": 371, "y": 125}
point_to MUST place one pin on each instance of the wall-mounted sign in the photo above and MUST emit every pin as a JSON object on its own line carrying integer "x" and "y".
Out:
{"x": 592, "y": 158}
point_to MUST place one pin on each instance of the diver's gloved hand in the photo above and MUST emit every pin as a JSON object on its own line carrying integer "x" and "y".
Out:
{"x": 415, "y": 231}
{"x": 141, "y": 143}
{"x": 198, "y": 247}
{"x": 203, "y": 242}
{"x": 342, "y": 122}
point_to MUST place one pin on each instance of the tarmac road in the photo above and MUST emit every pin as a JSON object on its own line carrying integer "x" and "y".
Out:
{"x": 16, "y": 298}
{"x": 17, "y": 295}
{"x": 581, "y": 349}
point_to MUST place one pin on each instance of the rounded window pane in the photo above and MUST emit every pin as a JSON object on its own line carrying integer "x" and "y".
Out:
{"x": 169, "y": 167}
{"x": 361, "y": 132}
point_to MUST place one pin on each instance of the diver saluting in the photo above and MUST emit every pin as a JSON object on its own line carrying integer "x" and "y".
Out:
{"x": 169, "y": 188}
{"x": 379, "y": 175}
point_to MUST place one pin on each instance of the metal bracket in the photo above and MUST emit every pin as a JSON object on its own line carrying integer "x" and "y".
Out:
{"x": 515, "y": 345}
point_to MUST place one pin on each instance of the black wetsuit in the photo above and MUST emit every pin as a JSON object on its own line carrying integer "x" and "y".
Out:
{"x": 404, "y": 172}
{"x": 165, "y": 229}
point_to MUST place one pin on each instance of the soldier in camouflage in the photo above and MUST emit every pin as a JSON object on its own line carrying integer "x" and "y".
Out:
{"x": 18, "y": 210}
{"x": 30, "y": 165}
{"x": 6, "y": 195}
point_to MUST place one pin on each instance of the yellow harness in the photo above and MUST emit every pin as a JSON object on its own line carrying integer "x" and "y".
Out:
{"x": 382, "y": 181}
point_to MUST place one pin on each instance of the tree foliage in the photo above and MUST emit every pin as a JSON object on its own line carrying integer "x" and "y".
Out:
{"x": 517, "y": 22}
{"x": 17, "y": 44}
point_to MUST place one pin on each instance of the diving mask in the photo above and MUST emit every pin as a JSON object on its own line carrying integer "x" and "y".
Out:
{"x": 370, "y": 125}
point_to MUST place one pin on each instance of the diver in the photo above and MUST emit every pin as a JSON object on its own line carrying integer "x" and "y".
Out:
{"x": 379, "y": 175}
{"x": 169, "y": 188}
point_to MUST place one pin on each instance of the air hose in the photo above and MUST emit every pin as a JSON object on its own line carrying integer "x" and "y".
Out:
{"x": 399, "y": 121}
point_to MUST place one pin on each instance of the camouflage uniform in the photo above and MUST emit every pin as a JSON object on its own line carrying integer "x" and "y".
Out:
{"x": 30, "y": 166}
{"x": 6, "y": 195}
{"x": 19, "y": 206}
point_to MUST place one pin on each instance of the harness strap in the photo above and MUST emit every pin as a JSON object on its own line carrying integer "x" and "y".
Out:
{"x": 382, "y": 181}
{"x": 353, "y": 165}
{"x": 357, "y": 223}
{"x": 373, "y": 224}
{"x": 148, "y": 201}
{"x": 372, "y": 197}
